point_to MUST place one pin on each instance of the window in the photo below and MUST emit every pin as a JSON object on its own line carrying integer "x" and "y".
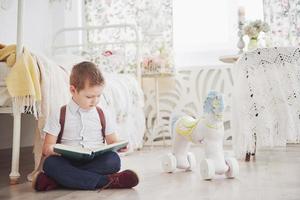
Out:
{"x": 203, "y": 31}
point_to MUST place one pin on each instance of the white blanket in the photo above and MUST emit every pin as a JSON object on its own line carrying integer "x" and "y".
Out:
{"x": 55, "y": 93}
{"x": 123, "y": 97}
{"x": 5, "y": 99}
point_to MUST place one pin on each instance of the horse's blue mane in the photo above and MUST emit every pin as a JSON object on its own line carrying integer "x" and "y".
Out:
{"x": 208, "y": 106}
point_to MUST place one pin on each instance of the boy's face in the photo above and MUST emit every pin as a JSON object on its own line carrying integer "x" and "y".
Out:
{"x": 88, "y": 97}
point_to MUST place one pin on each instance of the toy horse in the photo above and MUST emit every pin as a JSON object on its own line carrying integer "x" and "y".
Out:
{"x": 208, "y": 129}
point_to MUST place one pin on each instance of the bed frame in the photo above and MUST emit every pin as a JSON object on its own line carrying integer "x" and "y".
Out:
{"x": 14, "y": 173}
{"x": 135, "y": 41}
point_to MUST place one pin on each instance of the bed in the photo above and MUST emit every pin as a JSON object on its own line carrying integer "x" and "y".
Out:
{"x": 123, "y": 96}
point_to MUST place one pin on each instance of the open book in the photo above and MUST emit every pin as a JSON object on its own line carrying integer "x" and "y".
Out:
{"x": 81, "y": 153}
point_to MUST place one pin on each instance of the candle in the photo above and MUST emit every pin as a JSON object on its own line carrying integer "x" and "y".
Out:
{"x": 241, "y": 14}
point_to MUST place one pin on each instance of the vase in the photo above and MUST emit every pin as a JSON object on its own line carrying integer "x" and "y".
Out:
{"x": 253, "y": 43}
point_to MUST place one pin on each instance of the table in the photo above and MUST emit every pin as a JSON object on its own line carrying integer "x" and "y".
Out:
{"x": 229, "y": 58}
{"x": 157, "y": 76}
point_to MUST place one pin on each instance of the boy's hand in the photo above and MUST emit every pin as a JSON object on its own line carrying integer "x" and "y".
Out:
{"x": 112, "y": 138}
{"x": 124, "y": 149}
{"x": 48, "y": 147}
{"x": 48, "y": 150}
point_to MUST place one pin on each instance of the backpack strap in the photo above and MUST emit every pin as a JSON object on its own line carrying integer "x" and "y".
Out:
{"x": 62, "y": 118}
{"x": 103, "y": 122}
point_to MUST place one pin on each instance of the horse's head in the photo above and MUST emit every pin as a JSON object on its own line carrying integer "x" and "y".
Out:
{"x": 214, "y": 105}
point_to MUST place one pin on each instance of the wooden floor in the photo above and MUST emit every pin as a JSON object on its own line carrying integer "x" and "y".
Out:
{"x": 26, "y": 163}
{"x": 274, "y": 175}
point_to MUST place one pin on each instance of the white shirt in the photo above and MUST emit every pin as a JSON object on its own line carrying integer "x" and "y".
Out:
{"x": 82, "y": 127}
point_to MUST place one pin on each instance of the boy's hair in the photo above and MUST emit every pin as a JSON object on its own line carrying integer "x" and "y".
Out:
{"x": 85, "y": 73}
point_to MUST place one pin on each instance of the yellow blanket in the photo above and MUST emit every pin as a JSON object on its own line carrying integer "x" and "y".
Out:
{"x": 22, "y": 82}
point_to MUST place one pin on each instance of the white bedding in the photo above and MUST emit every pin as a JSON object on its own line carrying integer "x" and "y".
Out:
{"x": 4, "y": 70}
{"x": 4, "y": 95}
{"x": 5, "y": 99}
{"x": 124, "y": 98}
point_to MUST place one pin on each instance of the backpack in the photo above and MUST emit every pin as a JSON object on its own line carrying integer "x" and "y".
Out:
{"x": 62, "y": 122}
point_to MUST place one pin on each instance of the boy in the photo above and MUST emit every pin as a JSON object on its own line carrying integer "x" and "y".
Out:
{"x": 84, "y": 123}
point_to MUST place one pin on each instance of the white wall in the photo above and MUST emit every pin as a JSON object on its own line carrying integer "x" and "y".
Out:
{"x": 211, "y": 31}
{"x": 41, "y": 20}
{"x": 37, "y": 25}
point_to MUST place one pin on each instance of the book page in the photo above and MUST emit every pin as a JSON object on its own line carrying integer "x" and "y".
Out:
{"x": 73, "y": 149}
{"x": 114, "y": 146}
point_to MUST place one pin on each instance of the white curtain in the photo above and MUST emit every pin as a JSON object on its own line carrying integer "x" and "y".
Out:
{"x": 283, "y": 18}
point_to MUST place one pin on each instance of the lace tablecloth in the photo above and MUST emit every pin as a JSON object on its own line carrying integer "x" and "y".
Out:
{"x": 266, "y": 99}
